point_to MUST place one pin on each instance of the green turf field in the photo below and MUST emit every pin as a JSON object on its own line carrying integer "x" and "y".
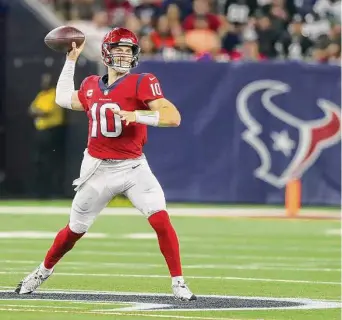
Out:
{"x": 237, "y": 257}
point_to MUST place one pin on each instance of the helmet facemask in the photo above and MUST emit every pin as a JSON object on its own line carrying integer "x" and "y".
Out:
{"x": 120, "y": 61}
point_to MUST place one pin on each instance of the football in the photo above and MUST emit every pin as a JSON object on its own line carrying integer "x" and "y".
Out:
{"x": 60, "y": 39}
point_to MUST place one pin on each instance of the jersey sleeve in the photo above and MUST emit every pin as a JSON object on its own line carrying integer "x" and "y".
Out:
{"x": 82, "y": 94}
{"x": 148, "y": 88}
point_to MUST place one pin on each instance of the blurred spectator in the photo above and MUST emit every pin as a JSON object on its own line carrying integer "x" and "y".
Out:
{"x": 249, "y": 49}
{"x": 61, "y": 7}
{"x": 267, "y": 36}
{"x": 173, "y": 15}
{"x": 202, "y": 41}
{"x": 293, "y": 44}
{"x": 230, "y": 37}
{"x": 314, "y": 26}
{"x": 304, "y": 7}
{"x": 147, "y": 10}
{"x": 328, "y": 8}
{"x": 147, "y": 13}
{"x": 147, "y": 46}
{"x": 119, "y": 11}
{"x": 328, "y": 47}
{"x": 201, "y": 18}
{"x": 238, "y": 11}
{"x": 134, "y": 24}
{"x": 286, "y": 29}
{"x": 83, "y": 9}
{"x": 185, "y": 7}
{"x": 169, "y": 42}
{"x": 49, "y": 141}
{"x": 94, "y": 29}
{"x": 279, "y": 15}
{"x": 162, "y": 37}
{"x": 286, "y": 5}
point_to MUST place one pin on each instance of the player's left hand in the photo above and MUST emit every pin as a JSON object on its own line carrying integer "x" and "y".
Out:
{"x": 127, "y": 116}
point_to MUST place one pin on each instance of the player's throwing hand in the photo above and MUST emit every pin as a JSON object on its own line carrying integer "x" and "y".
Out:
{"x": 128, "y": 116}
{"x": 75, "y": 52}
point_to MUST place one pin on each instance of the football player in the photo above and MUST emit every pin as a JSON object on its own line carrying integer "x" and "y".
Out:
{"x": 119, "y": 106}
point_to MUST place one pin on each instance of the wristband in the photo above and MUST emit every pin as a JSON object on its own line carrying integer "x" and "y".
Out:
{"x": 150, "y": 118}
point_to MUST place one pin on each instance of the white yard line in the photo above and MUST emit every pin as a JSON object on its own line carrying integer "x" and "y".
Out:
{"x": 25, "y": 234}
{"x": 119, "y": 314}
{"x": 18, "y": 237}
{"x": 37, "y": 306}
{"x": 226, "y": 256}
{"x": 110, "y": 264}
{"x": 117, "y": 275}
{"x": 334, "y": 232}
{"x": 204, "y": 212}
{"x": 133, "y": 265}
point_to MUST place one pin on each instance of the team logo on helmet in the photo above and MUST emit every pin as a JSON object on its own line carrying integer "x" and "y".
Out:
{"x": 126, "y": 40}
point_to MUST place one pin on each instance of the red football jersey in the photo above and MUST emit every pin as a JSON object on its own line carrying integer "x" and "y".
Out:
{"x": 108, "y": 136}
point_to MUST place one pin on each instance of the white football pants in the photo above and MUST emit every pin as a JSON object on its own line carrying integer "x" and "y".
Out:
{"x": 101, "y": 180}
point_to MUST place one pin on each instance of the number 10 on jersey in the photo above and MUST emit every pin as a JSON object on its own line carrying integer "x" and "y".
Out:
{"x": 99, "y": 119}
{"x": 156, "y": 90}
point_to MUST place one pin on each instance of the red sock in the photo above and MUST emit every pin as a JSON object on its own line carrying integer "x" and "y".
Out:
{"x": 64, "y": 241}
{"x": 168, "y": 241}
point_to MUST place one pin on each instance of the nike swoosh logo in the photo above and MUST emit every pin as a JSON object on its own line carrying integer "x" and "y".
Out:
{"x": 152, "y": 78}
{"x": 134, "y": 167}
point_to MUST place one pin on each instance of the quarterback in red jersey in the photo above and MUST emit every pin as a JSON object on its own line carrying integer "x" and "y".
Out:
{"x": 119, "y": 106}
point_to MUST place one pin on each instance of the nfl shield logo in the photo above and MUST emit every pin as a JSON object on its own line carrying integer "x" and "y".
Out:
{"x": 106, "y": 92}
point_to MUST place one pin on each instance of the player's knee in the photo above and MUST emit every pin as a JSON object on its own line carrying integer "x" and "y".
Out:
{"x": 78, "y": 227}
{"x": 82, "y": 207}
{"x": 150, "y": 210}
{"x": 84, "y": 202}
{"x": 154, "y": 202}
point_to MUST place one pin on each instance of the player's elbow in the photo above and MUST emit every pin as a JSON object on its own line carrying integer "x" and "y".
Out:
{"x": 58, "y": 101}
{"x": 176, "y": 120}
{"x": 63, "y": 100}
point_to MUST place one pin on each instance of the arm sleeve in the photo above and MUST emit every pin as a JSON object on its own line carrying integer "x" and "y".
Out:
{"x": 148, "y": 88}
{"x": 65, "y": 85}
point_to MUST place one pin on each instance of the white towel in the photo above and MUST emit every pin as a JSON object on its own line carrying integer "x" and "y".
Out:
{"x": 88, "y": 168}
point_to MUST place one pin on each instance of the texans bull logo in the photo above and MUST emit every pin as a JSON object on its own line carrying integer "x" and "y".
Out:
{"x": 299, "y": 141}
